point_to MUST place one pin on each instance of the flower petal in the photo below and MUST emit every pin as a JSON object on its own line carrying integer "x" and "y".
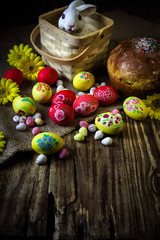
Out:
{"x": 12, "y": 85}
{"x": 16, "y": 48}
{"x": 21, "y": 47}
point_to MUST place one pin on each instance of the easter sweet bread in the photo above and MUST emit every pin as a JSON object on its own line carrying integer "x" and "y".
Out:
{"x": 134, "y": 67}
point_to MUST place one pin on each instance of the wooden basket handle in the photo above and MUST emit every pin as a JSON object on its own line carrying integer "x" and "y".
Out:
{"x": 68, "y": 61}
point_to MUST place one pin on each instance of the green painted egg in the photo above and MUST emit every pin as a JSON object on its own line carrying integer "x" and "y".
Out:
{"x": 24, "y": 106}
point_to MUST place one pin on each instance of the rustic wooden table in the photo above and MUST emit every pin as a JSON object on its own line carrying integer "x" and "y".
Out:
{"x": 98, "y": 192}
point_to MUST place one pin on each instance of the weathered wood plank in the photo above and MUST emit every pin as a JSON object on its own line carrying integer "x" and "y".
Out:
{"x": 98, "y": 192}
{"x": 142, "y": 154}
{"x": 23, "y": 205}
{"x": 102, "y": 199}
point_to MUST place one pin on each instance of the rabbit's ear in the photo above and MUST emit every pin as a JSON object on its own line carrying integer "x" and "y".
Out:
{"x": 76, "y": 3}
{"x": 86, "y": 9}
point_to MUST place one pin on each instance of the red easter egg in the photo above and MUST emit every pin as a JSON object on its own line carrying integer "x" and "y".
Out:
{"x": 61, "y": 113}
{"x": 64, "y": 96}
{"x": 85, "y": 105}
{"x": 47, "y": 75}
{"x": 106, "y": 95}
{"x": 15, "y": 75}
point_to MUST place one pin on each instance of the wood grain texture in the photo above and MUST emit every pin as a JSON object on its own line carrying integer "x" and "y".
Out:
{"x": 98, "y": 192}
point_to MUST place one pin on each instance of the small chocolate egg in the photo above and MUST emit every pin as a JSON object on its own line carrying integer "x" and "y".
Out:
{"x": 135, "y": 108}
{"x": 47, "y": 143}
{"x": 106, "y": 95}
{"x": 24, "y": 106}
{"x": 109, "y": 123}
{"x": 85, "y": 105}
{"x": 83, "y": 81}
{"x": 41, "y": 92}
{"x": 64, "y": 96}
{"x": 61, "y": 113}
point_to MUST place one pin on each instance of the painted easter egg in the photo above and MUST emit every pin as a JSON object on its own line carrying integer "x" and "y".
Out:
{"x": 24, "y": 106}
{"x": 47, "y": 143}
{"x": 64, "y": 96}
{"x": 41, "y": 92}
{"x": 106, "y": 95}
{"x": 109, "y": 123}
{"x": 135, "y": 108}
{"x": 83, "y": 81}
{"x": 15, "y": 74}
{"x": 47, "y": 75}
{"x": 61, "y": 113}
{"x": 85, "y": 105}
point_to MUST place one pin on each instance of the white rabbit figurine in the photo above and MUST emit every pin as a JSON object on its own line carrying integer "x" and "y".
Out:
{"x": 71, "y": 21}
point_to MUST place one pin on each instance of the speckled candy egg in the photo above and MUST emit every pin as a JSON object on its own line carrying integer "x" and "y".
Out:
{"x": 64, "y": 96}
{"x": 41, "y": 92}
{"x": 135, "y": 108}
{"x": 83, "y": 81}
{"x": 106, "y": 95}
{"x": 24, "y": 106}
{"x": 109, "y": 123}
{"x": 47, "y": 143}
{"x": 85, "y": 105}
{"x": 61, "y": 113}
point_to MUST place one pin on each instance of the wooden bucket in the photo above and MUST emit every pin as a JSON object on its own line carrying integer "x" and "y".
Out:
{"x": 70, "y": 54}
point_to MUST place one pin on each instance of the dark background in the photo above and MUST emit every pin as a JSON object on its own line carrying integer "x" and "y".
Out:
{"x": 19, "y": 13}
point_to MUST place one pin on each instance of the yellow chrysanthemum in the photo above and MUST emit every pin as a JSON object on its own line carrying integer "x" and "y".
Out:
{"x": 16, "y": 54}
{"x": 2, "y": 142}
{"x": 30, "y": 65}
{"x": 153, "y": 105}
{"x": 8, "y": 90}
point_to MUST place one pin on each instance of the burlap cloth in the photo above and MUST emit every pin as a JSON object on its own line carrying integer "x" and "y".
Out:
{"x": 125, "y": 27}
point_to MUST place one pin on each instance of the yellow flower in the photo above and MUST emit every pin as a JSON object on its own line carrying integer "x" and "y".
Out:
{"x": 17, "y": 53}
{"x": 30, "y": 65}
{"x": 153, "y": 105}
{"x": 8, "y": 90}
{"x": 2, "y": 142}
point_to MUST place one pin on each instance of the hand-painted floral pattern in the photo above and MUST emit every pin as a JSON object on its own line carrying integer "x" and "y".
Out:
{"x": 59, "y": 115}
{"x": 85, "y": 76}
{"x": 110, "y": 120}
{"x": 104, "y": 95}
{"x": 134, "y": 105}
{"x": 86, "y": 108}
{"x": 47, "y": 142}
{"x": 42, "y": 87}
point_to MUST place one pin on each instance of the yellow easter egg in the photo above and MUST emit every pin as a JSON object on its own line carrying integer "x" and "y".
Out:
{"x": 135, "y": 108}
{"x": 47, "y": 143}
{"x": 24, "y": 106}
{"x": 109, "y": 123}
{"x": 41, "y": 92}
{"x": 83, "y": 81}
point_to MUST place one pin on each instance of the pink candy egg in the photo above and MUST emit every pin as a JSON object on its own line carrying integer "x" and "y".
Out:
{"x": 30, "y": 121}
{"x": 64, "y": 153}
{"x": 85, "y": 105}
{"x": 83, "y": 124}
{"x": 115, "y": 111}
{"x": 36, "y": 130}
